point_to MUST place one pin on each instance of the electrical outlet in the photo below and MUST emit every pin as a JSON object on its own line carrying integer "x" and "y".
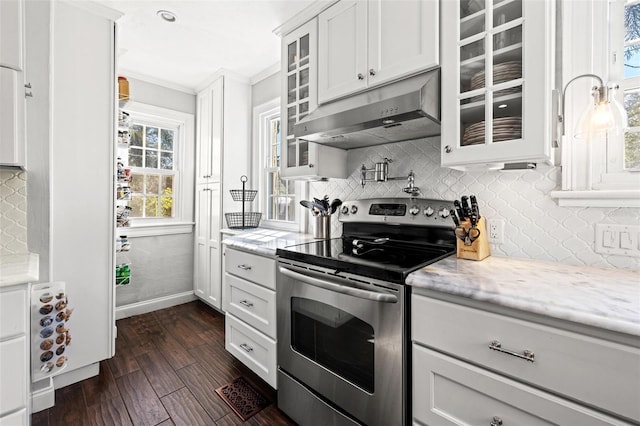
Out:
{"x": 496, "y": 231}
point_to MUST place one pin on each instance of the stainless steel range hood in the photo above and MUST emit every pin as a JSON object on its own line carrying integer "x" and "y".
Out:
{"x": 400, "y": 111}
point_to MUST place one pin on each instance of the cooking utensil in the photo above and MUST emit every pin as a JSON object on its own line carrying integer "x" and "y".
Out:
{"x": 467, "y": 236}
{"x": 466, "y": 207}
{"x": 307, "y": 204}
{"x": 452, "y": 213}
{"x": 459, "y": 209}
{"x": 474, "y": 206}
{"x": 335, "y": 204}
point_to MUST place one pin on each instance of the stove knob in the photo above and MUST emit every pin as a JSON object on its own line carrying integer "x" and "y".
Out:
{"x": 354, "y": 209}
{"x": 443, "y": 213}
{"x": 345, "y": 210}
{"x": 414, "y": 210}
{"x": 428, "y": 211}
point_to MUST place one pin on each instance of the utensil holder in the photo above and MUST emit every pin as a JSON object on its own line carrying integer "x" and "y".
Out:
{"x": 322, "y": 226}
{"x": 479, "y": 249}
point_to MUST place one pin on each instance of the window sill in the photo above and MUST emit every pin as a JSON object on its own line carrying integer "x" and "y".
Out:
{"x": 152, "y": 230}
{"x": 599, "y": 198}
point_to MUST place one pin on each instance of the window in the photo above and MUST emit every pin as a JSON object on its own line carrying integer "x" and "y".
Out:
{"x": 279, "y": 199}
{"x": 153, "y": 173}
{"x": 625, "y": 69}
{"x": 601, "y": 170}
{"x": 158, "y": 157}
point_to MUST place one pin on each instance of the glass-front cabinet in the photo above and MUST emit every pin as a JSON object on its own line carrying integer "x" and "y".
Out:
{"x": 299, "y": 63}
{"x": 300, "y": 158}
{"x": 498, "y": 72}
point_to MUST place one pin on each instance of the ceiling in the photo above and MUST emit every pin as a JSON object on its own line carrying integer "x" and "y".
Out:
{"x": 208, "y": 35}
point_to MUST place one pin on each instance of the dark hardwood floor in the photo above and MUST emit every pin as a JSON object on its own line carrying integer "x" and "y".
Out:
{"x": 165, "y": 371}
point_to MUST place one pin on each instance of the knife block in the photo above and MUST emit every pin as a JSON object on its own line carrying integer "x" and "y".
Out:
{"x": 479, "y": 249}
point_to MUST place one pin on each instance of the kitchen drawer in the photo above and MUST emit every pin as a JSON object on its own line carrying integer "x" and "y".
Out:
{"x": 251, "y": 303}
{"x": 564, "y": 362}
{"x": 13, "y": 374}
{"x": 13, "y": 312}
{"x": 259, "y": 269}
{"x": 447, "y": 391}
{"x": 252, "y": 348}
{"x": 15, "y": 419}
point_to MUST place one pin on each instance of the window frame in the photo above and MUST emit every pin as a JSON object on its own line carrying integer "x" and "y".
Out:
{"x": 586, "y": 181}
{"x": 262, "y": 115}
{"x": 184, "y": 171}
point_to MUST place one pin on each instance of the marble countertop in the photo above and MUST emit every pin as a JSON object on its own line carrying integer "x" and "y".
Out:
{"x": 265, "y": 241}
{"x": 604, "y": 298}
{"x": 18, "y": 269}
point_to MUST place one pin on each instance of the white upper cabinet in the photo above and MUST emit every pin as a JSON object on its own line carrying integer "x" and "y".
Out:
{"x": 497, "y": 77}
{"x": 12, "y": 108}
{"x": 364, "y": 43}
{"x": 209, "y": 133}
{"x": 11, "y": 34}
{"x": 301, "y": 159}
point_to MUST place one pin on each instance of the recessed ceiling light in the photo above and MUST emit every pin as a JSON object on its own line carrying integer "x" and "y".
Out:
{"x": 166, "y": 15}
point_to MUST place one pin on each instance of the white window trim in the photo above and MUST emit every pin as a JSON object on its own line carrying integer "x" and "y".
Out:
{"x": 260, "y": 114}
{"x": 586, "y": 51}
{"x": 182, "y": 222}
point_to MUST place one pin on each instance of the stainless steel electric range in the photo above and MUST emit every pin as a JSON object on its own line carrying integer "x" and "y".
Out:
{"x": 343, "y": 312}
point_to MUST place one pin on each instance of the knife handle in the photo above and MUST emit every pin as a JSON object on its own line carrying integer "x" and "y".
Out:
{"x": 459, "y": 209}
{"x": 452, "y": 213}
{"x": 465, "y": 205}
{"x": 474, "y": 206}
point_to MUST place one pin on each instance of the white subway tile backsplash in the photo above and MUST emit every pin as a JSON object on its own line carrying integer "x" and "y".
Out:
{"x": 535, "y": 226}
{"x": 13, "y": 212}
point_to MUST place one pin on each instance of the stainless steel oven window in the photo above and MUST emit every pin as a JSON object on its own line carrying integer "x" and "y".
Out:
{"x": 335, "y": 339}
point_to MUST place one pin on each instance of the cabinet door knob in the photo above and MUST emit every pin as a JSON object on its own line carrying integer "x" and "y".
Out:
{"x": 447, "y": 149}
{"x": 311, "y": 165}
{"x": 372, "y": 72}
{"x": 496, "y": 421}
{"x": 360, "y": 76}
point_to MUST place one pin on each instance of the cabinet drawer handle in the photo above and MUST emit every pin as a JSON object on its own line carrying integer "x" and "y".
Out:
{"x": 372, "y": 72}
{"x": 497, "y": 346}
{"x": 496, "y": 421}
{"x": 360, "y": 76}
{"x": 246, "y": 347}
{"x": 245, "y": 303}
{"x": 244, "y": 267}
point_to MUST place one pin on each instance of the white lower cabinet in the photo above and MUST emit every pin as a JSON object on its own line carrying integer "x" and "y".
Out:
{"x": 250, "y": 306}
{"x": 14, "y": 355}
{"x": 470, "y": 365}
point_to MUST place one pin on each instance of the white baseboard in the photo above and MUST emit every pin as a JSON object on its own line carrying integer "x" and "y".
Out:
{"x": 139, "y": 308}
{"x": 77, "y": 375}
{"x": 42, "y": 395}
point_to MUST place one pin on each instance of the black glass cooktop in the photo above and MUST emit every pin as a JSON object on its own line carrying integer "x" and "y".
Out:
{"x": 377, "y": 257}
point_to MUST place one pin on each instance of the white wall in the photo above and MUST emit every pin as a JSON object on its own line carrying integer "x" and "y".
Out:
{"x": 265, "y": 90}
{"x": 160, "y": 265}
{"x": 154, "y": 94}
{"x": 535, "y": 226}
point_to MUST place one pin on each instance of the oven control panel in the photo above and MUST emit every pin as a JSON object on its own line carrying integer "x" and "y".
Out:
{"x": 414, "y": 211}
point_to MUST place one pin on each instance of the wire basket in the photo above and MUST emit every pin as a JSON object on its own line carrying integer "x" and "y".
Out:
{"x": 237, "y": 194}
{"x": 240, "y": 220}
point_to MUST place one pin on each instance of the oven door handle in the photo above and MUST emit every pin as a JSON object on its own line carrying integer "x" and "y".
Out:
{"x": 351, "y": 291}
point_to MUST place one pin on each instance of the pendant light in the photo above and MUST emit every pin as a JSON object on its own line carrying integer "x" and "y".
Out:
{"x": 605, "y": 114}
